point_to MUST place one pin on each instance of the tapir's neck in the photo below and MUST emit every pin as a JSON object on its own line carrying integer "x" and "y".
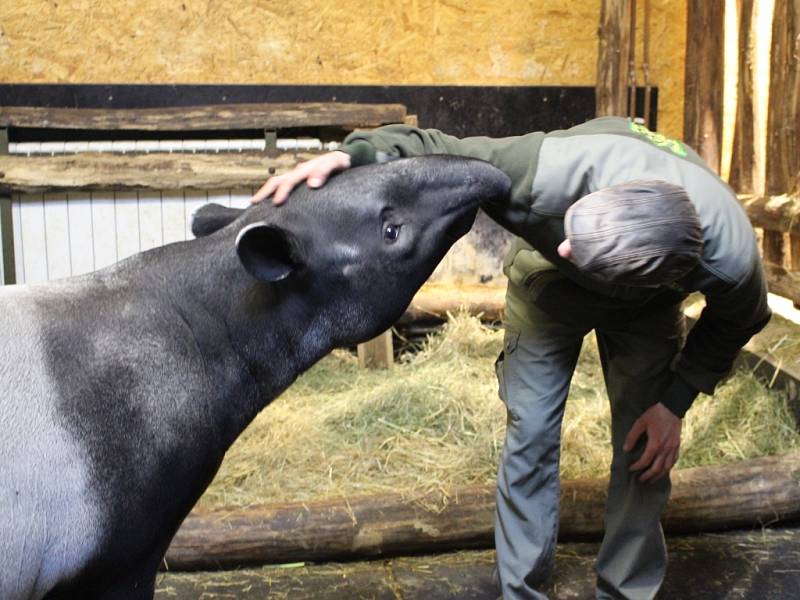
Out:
{"x": 254, "y": 339}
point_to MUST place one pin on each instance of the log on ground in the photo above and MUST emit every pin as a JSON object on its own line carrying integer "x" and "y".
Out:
{"x": 735, "y": 565}
{"x": 754, "y": 492}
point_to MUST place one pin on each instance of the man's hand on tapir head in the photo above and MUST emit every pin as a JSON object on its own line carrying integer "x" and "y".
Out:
{"x": 314, "y": 172}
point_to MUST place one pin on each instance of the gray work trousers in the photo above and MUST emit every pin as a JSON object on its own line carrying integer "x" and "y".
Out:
{"x": 546, "y": 321}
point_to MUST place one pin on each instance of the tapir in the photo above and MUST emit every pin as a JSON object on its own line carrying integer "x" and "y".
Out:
{"x": 122, "y": 389}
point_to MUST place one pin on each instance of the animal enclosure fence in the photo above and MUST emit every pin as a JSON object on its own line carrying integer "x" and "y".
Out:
{"x": 71, "y": 207}
{"x": 765, "y": 163}
{"x": 68, "y": 208}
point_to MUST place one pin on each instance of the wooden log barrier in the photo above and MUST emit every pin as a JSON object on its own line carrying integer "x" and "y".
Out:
{"x": 436, "y": 300}
{"x": 207, "y": 117}
{"x": 155, "y": 171}
{"x": 756, "y": 492}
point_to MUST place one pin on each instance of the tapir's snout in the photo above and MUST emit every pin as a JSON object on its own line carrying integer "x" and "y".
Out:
{"x": 469, "y": 183}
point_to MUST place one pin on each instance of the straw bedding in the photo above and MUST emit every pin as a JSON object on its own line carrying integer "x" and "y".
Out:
{"x": 436, "y": 421}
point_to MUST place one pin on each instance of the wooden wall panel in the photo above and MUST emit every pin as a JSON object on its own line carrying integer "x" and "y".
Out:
{"x": 444, "y": 42}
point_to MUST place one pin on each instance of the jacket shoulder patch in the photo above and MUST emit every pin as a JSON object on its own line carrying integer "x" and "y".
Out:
{"x": 658, "y": 139}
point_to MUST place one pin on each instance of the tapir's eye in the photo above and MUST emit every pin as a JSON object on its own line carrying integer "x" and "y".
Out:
{"x": 391, "y": 232}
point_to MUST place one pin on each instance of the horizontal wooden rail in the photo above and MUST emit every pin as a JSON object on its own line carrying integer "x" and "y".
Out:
{"x": 778, "y": 216}
{"x": 203, "y": 118}
{"x": 745, "y": 494}
{"x": 775, "y": 213}
{"x": 156, "y": 171}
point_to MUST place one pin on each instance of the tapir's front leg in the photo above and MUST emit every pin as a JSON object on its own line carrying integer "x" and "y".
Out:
{"x": 134, "y": 583}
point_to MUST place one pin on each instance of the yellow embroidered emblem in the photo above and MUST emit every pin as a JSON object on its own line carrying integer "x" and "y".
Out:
{"x": 658, "y": 139}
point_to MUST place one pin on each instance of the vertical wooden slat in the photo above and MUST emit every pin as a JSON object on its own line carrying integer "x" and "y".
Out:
{"x": 151, "y": 231}
{"x": 81, "y": 251}
{"x": 220, "y": 197}
{"x": 743, "y": 160}
{"x": 104, "y": 229}
{"x": 57, "y": 238}
{"x": 127, "y": 223}
{"x": 773, "y": 247}
{"x": 193, "y": 200}
{"x": 32, "y": 237}
{"x": 794, "y": 253}
{"x": 612, "y": 57}
{"x": 240, "y": 197}
{"x": 783, "y": 118}
{"x": 702, "y": 113}
{"x": 173, "y": 216}
{"x": 794, "y": 257}
{"x": 19, "y": 258}
{"x": 9, "y": 275}
{"x": 377, "y": 353}
{"x": 7, "y": 266}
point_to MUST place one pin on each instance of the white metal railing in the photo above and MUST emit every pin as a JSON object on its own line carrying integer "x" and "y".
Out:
{"x": 147, "y": 146}
{"x": 69, "y": 233}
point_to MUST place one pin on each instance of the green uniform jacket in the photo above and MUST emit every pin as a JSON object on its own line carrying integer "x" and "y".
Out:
{"x": 550, "y": 171}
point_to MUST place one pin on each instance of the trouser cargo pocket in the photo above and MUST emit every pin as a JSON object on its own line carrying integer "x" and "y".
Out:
{"x": 510, "y": 341}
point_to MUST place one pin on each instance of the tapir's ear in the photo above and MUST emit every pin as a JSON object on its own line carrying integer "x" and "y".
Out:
{"x": 268, "y": 253}
{"x": 211, "y": 217}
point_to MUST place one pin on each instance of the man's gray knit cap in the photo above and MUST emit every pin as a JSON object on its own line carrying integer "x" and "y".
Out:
{"x": 643, "y": 233}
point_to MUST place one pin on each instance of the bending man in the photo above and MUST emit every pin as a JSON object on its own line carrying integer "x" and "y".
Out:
{"x": 616, "y": 226}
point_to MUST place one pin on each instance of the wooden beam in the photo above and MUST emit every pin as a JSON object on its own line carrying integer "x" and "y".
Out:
{"x": 783, "y": 282}
{"x": 743, "y": 162}
{"x": 203, "y": 118}
{"x": 744, "y": 494}
{"x": 437, "y": 300}
{"x": 377, "y": 353}
{"x": 776, "y": 213}
{"x": 91, "y": 171}
{"x": 612, "y": 58}
{"x": 783, "y": 117}
{"x": 702, "y": 112}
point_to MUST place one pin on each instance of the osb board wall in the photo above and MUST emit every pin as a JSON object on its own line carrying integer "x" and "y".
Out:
{"x": 477, "y": 42}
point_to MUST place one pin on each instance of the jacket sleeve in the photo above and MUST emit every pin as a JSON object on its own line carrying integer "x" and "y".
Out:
{"x": 516, "y": 156}
{"x": 732, "y": 315}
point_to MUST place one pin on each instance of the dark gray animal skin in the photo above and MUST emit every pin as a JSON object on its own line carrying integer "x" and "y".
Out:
{"x": 120, "y": 391}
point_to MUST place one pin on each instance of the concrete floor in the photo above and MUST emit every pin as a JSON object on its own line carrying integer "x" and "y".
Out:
{"x": 752, "y": 565}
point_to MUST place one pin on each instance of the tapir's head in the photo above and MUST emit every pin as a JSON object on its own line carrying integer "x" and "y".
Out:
{"x": 358, "y": 248}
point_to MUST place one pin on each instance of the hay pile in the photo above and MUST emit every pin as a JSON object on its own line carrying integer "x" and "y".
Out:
{"x": 436, "y": 421}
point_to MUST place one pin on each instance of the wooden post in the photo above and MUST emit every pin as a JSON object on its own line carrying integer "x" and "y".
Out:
{"x": 783, "y": 118}
{"x": 794, "y": 257}
{"x": 377, "y": 353}
{"x": 773, "y": 247}
{"x": 743, "y": 160}
{"x": 783, "y": 128}
{"x": 7, "y": 268}
{"x": 612, "y": 57}
{"x": 702, "y": 112}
